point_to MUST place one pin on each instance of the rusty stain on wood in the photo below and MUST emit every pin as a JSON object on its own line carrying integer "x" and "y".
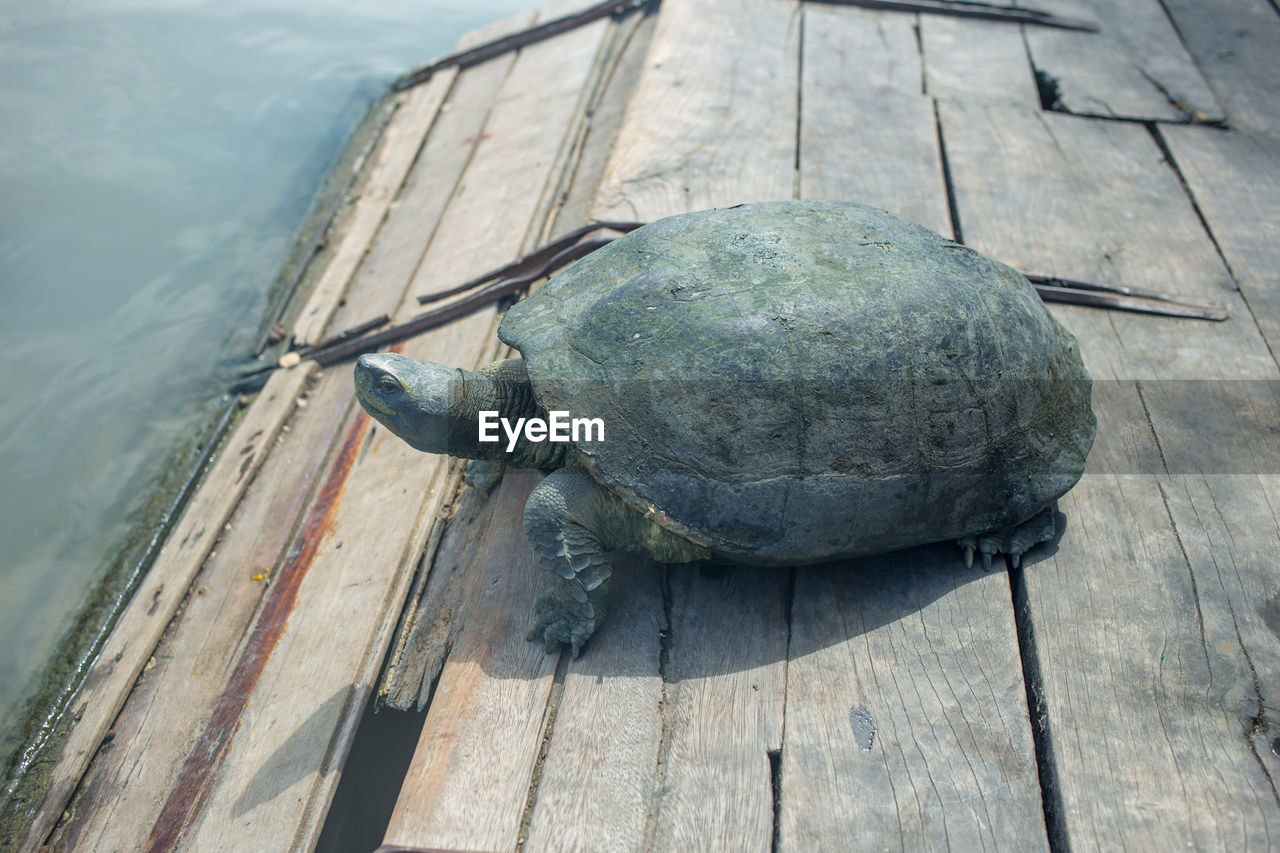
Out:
{"x": 198, "y": 775}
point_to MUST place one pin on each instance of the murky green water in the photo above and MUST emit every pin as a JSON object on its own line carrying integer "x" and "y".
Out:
{"x": 156, "y": 162}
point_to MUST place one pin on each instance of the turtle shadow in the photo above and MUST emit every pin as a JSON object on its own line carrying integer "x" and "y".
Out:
{"x": 293, "y": 760}
{"x": 683, "y": 622}
{"x": 705, "y": 619}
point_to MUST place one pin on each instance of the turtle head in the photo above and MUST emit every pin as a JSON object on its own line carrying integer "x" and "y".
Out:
{"x": 420, "y": 401}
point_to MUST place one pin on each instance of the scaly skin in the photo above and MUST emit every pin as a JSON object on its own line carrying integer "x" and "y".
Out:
{"x": 436, "y": 408}
{"x": 571, "y": 521}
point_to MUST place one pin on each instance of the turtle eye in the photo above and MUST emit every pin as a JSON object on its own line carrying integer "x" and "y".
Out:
{"x": 388, "y": 384}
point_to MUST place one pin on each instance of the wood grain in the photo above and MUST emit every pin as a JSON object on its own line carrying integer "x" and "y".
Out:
{"x": 274, "y": 780}
{"x": 599, "y": 777}
{"x": 331, "y": 399}
{"x": 1234, "y": 44}
{"x": 508, "y": 174}
{"x": 706, "y": 128}
{"x": 1134, "y": 67}
{"x": 378, "y": 261}
{"x": 391, "y": 161}
{"x": 867, "y": 132}
{"x": 703, "y": 128}
{"x": 470, "y": 774}
{"x": 605, "y": 121}
{"x": 906, "y": 710}
{"x": 355, "y": 559}
{"x": 437, "y": 609}
{"x": 1148, "y": 688}
{"x": 437, "y": 605}
{"x": 726, "y": 684}
{"x": 1235, "y": 179}
{"x": 118, "y": 800}
{"x": 1095, "y": 200}
{"x": 976, "y": 62}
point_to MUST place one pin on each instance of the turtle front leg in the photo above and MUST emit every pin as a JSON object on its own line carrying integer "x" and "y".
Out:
{"x": 562, "y": 519}
{"x": 1014, "y": 541}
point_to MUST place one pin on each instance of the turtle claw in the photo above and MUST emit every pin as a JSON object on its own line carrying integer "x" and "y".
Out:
{"x": 1012, "y": 542}
{"x": 557, "y": 622}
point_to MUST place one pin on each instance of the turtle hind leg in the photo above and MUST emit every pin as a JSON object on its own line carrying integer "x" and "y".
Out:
{"x": 1014, "y": 541}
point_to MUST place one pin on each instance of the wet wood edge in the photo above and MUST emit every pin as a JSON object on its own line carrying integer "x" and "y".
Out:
{"x": 391, "y": 162}
{"x": 121, "y": 793}
{"x": 130, "y": 645}
{"x": 248, "y": 799}
{"x": 307, "y": 370}
{"x": 395, "y": 157}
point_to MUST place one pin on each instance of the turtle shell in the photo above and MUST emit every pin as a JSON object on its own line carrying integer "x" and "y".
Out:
{"x": 795, "y": 382}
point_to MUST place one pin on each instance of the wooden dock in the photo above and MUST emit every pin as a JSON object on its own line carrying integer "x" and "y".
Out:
{"x": 1113, "y": 693}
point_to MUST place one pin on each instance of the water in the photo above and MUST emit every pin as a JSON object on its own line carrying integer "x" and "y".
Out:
{"x": 156, "y": 161}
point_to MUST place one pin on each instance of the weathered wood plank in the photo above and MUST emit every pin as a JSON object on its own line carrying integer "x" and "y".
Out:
{"x": 119, "y": 798}
{"x": 1134, "y": 67}
{"x": 906, "y": 710}
{"x": 688, "y": 95}
{"x": 1094, "y": 200}
{"x": 600, "y": 774}
{"x": 274, "y": 780}
{"x": 382, "y": 280}
{"x": 726, "y": 684}
{"x": 867, "y": 133}
{"x": 350, "y": 567}
{"x": 175, "y": 734}
{"x": 573, "y": 144}
{"x": 1235, "y": 179}
{"x": 392, "y": 159}
{"x": 437, "y": 608}
{"x": 437, "y": 605}
{"x": 135, "y": 636}
{"x": 399, "y": 150}
{"x": 1228, "y": 525}
{"x": 1234, "y": 43}
{"x": 726, "y": 134}
{"x": 1138, "y": 675}
{"x": 1148, "y": 689}
{"x": 503, "y": 189}
{"x": 976, "y": 62}
{"x": 605, "y": 121}
{"x": 470, "y": 774}
{"x": 571, "y": 814}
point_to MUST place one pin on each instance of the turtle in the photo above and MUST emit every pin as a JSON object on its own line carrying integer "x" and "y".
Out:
{"x": 779, "y": 384}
